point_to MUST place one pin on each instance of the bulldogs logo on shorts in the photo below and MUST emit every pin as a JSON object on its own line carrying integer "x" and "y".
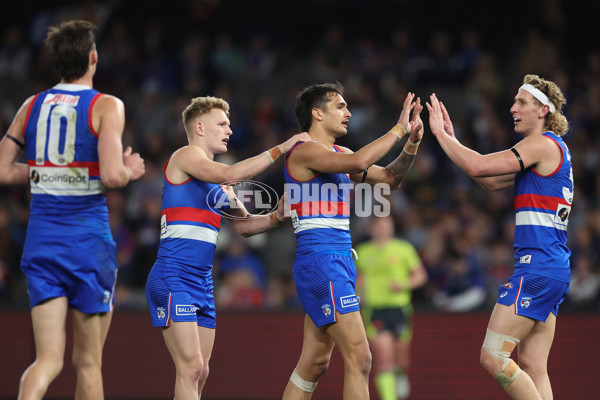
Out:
{"x": 326, "y": 309}
{"x": 525, "y": 302}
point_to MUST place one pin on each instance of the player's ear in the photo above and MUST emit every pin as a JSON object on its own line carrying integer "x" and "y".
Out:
{"x": 93, "y": 58}
{"x": 317, "y": 114}
{"x": 199, "y": 128}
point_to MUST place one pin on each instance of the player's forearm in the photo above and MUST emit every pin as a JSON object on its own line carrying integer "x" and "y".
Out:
{"x": 254, "y": 224}
{"x": 115, "y": 178}
{"x": 466, "y": 159}
{"x": 253, "y": 166}
{"x": 398, "y": 169}
{"x": 15, "y": 174}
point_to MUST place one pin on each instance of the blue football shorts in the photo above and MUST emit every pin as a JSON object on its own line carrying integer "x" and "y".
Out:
{"x": 326, "y": 284}
{"x": 533, "y": 295}
{"x": 82, "y": 268}
{"x": 174, "y": 294}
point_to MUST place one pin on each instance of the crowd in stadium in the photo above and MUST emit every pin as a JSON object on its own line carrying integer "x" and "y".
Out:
{"x": 157, "y": 59}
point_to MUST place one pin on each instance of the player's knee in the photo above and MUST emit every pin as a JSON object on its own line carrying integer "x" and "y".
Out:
{"x": 81, "y": 361}
{"x": 196, "y": 368}
{"x": 319, "y": 368}
{"x": 532, "y": 367}
{"x": 488, "y": 363}
{"x": 51, "y": 365}
{"x": 495, "y": 357}
{"x": 362, "y": 360}
{"x": 366, "y": 363}
{"x": 204, "y": 374}
{"x": 192, "y": 367}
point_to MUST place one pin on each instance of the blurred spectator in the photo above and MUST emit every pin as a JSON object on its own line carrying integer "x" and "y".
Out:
{"x": 585, "y": 285}
{"x": 242, "y": 279}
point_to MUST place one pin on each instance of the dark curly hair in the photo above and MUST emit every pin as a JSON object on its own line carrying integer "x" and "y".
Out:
{"x": 314, "y": 96}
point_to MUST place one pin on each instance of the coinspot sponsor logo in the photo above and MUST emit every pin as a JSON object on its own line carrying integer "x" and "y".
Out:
{"x": 60, "y": 178}
{"x": 256, "y": 197}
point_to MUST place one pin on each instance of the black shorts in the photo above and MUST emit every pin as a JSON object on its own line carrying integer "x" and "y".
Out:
{"x": 397, "y": 320}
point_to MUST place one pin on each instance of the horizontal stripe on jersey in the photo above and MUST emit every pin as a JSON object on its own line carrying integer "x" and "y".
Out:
{"x": 539, "y": 219}
{"x": 191, "y": 232}
{"x": 320, "y": 223}
{"x": 309, "y": 208}
{"x": 191, "y": 215}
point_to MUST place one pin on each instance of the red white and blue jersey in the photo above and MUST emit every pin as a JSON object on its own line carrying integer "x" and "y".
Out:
{"x": 189, "y": 224}
{"x": 320, "y": 211}
{"x": 542, "y": 209}
{"x": 62, "y": 154}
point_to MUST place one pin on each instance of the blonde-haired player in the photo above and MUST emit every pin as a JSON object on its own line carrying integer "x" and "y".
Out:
{"x": 539, "y": 169}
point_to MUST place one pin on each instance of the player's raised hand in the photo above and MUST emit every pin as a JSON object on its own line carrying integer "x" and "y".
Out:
{"x": 416, "y": 132}
{"x": 439, "y": 119}
{"x": 407, "y": 107}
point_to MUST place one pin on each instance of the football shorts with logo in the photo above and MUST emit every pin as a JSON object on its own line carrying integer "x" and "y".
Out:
{"x": 82, "y": 268}
{"x": 181, "y": 296}
{"x": 326, "y": 283}
{"x": 532, "y": 295}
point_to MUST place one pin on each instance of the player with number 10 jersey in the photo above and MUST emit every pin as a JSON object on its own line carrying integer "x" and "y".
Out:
{"x": 68, "y": 205}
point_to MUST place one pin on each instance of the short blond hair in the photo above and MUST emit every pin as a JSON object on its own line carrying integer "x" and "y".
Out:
{"x": 555, "y": 121}
{"x": 200, "y": 106}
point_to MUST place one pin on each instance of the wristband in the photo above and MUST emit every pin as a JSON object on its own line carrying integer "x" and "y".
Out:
{"x": 398, "y": 130}
{"x": 414, "y": 146}
{"x": 364, "y": 175}
{"x": 273, "y": 220}
{"x": 273, "y": 154}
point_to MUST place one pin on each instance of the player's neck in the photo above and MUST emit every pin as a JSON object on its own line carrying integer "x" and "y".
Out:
{"x": 204, "y": 146}
{"x": 85, "y": 80}
{"x": 322, "y": 137}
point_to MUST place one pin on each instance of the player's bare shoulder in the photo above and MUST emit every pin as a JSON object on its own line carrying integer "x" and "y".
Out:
{"x": 307, "y": 150}
{"x": 181, "y": 161}
{"x": 108, "y": 103}
{"x": 541, "y": 152}
{"x": 110, "y": 109}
